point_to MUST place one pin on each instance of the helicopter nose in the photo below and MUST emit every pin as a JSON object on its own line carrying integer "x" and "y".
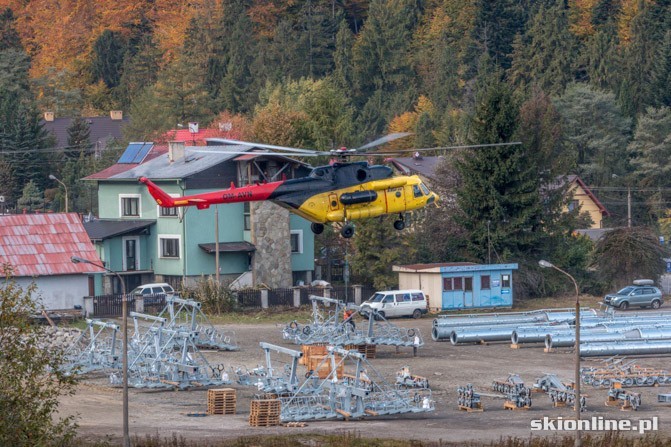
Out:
{"x": 432, "y": 198}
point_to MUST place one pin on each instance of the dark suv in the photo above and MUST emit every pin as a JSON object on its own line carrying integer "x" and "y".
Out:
{"x": 642, "y": 293}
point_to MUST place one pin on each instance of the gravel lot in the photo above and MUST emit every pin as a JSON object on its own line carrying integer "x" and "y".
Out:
{"x": 99, "y": 406}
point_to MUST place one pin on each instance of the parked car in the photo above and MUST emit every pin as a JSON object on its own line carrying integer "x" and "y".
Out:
{"x": 396, "y": 303}
{"x": 641, "y": 293}
{"x": 155, "y": 292}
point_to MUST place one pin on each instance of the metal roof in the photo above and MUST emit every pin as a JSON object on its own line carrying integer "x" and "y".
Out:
{"x": 102, "y": 229}
{"x": 192, "y": 163}
{"x": 425, "y": 166}
{"x": 228, "y": 247}
{"x": 42, "y": 244}
{"x": 102, "y": 129}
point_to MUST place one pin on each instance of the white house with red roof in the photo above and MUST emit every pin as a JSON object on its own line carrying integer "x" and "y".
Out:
{"x": 38, "y": 247}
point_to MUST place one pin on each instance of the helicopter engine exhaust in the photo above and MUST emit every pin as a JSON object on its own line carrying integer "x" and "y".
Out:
{"x": 352, "y": 198}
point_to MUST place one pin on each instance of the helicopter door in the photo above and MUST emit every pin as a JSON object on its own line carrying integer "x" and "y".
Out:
{"x": 395, "y": 199}
{"x": 334, "y": 204}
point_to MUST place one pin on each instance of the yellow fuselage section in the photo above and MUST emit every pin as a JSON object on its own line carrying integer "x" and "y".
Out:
{"x": 394, "y": 195}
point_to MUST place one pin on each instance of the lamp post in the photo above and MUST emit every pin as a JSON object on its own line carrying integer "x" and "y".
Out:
{"x": 53, "y": 177}
{"x": 576, "y": 386}
{"x": 124, "y": 329}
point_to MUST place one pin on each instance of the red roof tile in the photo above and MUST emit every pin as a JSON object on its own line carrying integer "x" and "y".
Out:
{"x": 42, "y": 244}
{"x": 196, "y": 139}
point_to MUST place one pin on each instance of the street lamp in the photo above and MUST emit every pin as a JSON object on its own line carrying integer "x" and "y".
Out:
{"x": 53, "y": 177}
{"x": 124, "y": 329}
{"x": 576, "y": 386}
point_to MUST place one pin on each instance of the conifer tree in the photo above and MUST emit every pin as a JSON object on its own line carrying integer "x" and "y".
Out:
{"x": 78, "y": 138}
{"x": 499, "y": 185}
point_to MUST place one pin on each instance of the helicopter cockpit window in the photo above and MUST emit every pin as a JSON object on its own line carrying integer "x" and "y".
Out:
{"x": 425, "y": 190}
{"x": 416, "y": 191}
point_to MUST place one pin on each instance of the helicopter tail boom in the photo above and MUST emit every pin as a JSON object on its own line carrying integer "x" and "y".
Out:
{"x": 203, "y": 201}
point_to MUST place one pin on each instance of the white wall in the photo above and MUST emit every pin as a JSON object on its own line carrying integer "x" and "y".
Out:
{"x": 429, "y": 283}
{"x": 59, "y": 292}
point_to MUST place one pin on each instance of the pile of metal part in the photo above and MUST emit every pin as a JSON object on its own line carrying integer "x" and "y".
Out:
{"x": 329, "y": 326}
{"x": 163, "y": 351}
{"x": 468, "y": 399}
{"x": 559, "y": 392}
{"x": 517, "y": 395}
{"x": 97, "y": 347}
{"x": 476, "y": 328}
{"x": 627, "y": 399}
{"x": 268, "y": 379}
{"x": 627, "y": 373}
{"x": 350, "y": 387}
{"x": 407, "y": 380}
{"x": 608, "y": 333}
{"x": 357, "y": 393}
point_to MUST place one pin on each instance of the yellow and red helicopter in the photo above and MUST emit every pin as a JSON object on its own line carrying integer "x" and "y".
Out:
{"x": 342, "y": 191}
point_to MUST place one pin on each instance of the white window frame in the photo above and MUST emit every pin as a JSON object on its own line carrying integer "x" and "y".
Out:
{"x": 124, "y": 267}
{"x": 170, "y": 236}
{"x": 130, "y": 196}
{"x": 300, "y": 241}
{"x": 178, "y": 211}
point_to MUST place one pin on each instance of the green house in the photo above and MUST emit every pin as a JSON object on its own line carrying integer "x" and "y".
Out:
{"x": 259, "y": 243}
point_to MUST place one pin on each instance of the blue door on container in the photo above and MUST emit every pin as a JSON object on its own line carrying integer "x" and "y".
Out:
{"x": 468, "y": 291}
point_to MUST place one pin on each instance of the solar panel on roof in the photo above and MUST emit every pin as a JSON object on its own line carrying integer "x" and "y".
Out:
{"x": 142, "y": 153}
{"x": 135, "y": 153}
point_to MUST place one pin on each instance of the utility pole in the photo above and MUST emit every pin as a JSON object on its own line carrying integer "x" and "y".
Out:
{"x": 628, "y": 206}
{"x": 216, "y": 243}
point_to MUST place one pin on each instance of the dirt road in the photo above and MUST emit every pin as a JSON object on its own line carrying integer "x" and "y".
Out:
{"x": 99, "y": 406}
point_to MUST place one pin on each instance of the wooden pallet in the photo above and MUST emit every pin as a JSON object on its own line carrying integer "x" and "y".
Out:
{"x": 221, "y": 401}
{"x": 311, "y": 351}
{"x": 264, "y": 421}
{"x": 507, "y": 405}
{"x": 477, "y": 409}
{"x": 368, "y": 350}
{"x": 264, "y": 412}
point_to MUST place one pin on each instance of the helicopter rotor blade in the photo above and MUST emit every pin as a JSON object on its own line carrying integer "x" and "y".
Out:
{"x": 299, "y": 154}
{"x": 383, "y": 140}
{"x": 439, "y": 148}
{"x": 267, "y": 146}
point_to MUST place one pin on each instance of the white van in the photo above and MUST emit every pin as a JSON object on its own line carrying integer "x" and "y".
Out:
{"x": 397, "y": 303}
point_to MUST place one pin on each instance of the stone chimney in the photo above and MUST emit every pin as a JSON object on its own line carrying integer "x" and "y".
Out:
{"x": 175, "y": 150}
{"x": 48, "y": 116}
{"x": 116, "y": 115}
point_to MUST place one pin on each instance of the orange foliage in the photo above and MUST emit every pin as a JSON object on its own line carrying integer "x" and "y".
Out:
{"x": 276, "y": 125}
{"x": 630, "y": 8}
{"x": 235, "y": 127}
{"x": 266, "y": 13}
{"x": 580, "y": 16}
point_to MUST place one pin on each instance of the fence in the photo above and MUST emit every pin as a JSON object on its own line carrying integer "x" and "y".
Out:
{"x": 105, "y": 306}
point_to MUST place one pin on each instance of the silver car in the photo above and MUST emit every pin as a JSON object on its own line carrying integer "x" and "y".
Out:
{"x": 642, "y": 295}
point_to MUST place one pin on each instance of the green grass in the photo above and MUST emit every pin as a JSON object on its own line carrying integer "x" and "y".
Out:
{"x": 273, "y": 315}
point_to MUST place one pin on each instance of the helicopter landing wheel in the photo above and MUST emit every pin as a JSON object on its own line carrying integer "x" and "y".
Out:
{"x": 399, "y": 224}
{"x": 347, "y": 231}
{"x": 317, "y": 228}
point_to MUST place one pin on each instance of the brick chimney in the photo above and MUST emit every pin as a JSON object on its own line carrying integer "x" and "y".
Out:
{"x": 116, "y": 115}
{"x": 48, "y": 116}
{"x": 175, "y": 150}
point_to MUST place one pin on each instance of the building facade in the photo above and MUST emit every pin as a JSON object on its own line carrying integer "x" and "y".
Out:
{"x": 465, "y": 285}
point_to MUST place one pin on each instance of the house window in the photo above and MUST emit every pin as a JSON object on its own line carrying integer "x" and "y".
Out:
{"x": 169, "y": 247}
{"x": 167, "y": 212}
{"x": 457, "y": 284}
{"x": 246, "y": 213}
{"x": 296, "y": 241}
{"x": 447, "y": 284}
{"x": 484, "y": 282}
{"x": 505, "y": 281}
{"x": 573, "y": 205}
{"x": 129, "y": 205}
